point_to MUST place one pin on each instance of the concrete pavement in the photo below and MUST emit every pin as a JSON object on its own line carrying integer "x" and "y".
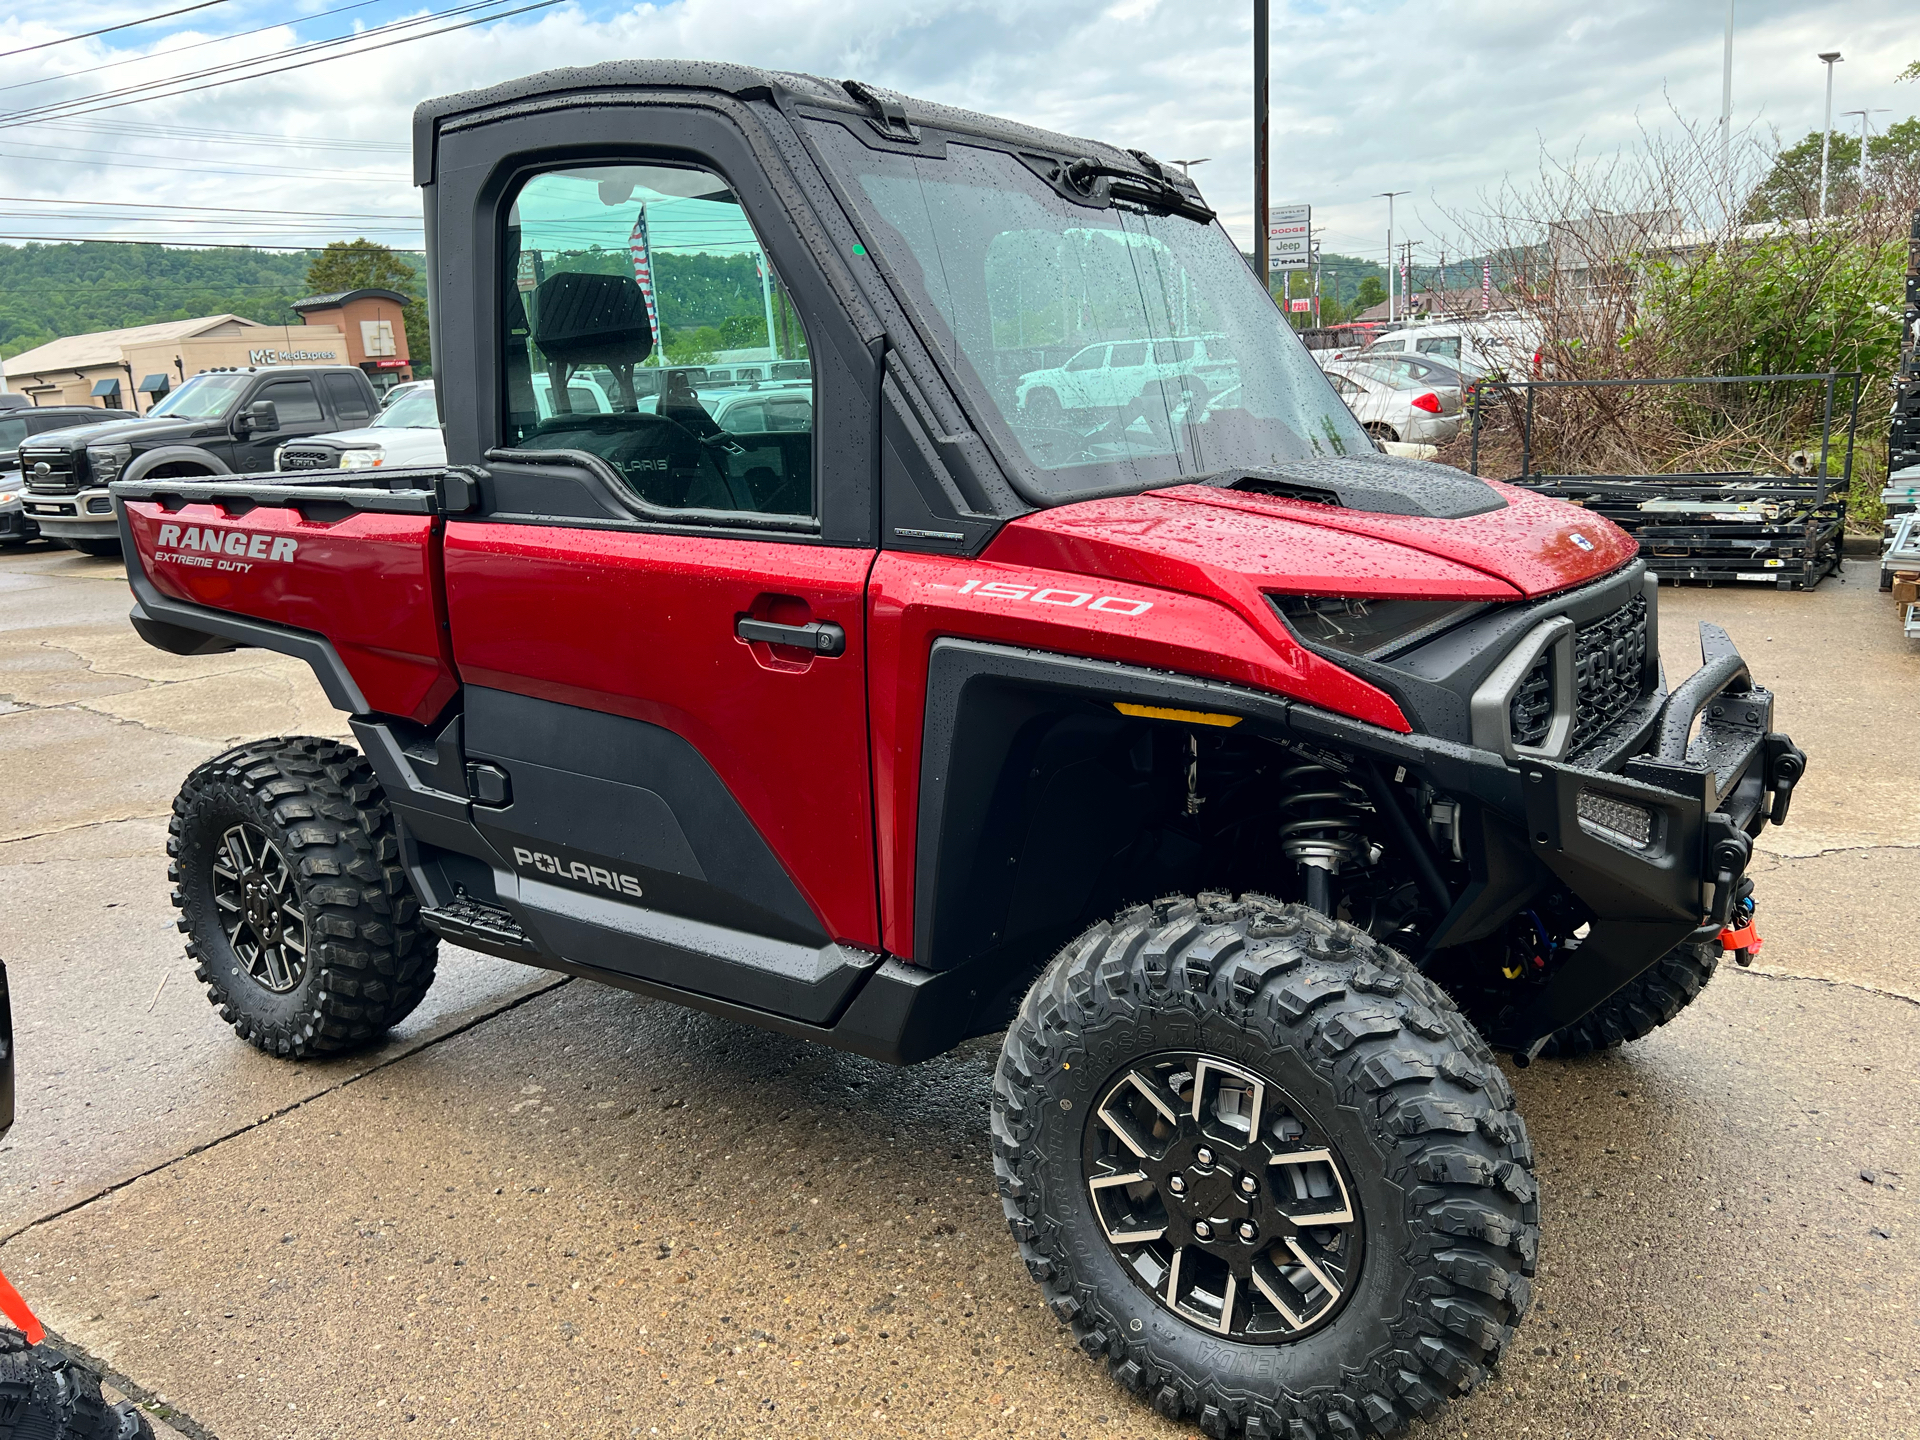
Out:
{"x": 555, "y": 1208}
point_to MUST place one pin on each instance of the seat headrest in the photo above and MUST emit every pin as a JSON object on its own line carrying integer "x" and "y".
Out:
{"x": 582, "y": 319}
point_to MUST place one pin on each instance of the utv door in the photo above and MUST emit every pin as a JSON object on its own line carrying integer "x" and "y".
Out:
{"x": 658, "y": 620}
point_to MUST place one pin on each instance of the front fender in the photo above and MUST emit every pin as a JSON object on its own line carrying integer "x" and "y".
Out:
{"x": 141, "y": 466}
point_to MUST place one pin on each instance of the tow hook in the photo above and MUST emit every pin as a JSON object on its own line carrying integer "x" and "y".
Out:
{"x": 1785, "y": 764}
{"x": 1729, "y": 848}
{"x": 1741, "y": 935}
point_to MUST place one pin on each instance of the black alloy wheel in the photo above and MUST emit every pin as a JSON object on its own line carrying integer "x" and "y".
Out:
{"x": 259, "y": 909}
{"x": 1222, "y": 1198}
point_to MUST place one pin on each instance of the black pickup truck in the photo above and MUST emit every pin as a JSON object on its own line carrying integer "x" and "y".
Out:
{"x": 220, "y": 422}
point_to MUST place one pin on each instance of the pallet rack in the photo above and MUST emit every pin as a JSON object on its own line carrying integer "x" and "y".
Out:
{"x": 1720, "y": 526}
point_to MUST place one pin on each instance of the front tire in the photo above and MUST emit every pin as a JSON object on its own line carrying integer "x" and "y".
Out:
{"x": 301, "y": 923}
{"x": 1376, "y": 1209}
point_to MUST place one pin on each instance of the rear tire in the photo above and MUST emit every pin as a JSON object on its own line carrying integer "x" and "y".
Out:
{"x": 99, "y": 549}
{"x": 1379, "y": 430}
{"x": 1644, "y": 1006}
{"x": 301, "y": 922}
{"x": 1366, "y": 1105}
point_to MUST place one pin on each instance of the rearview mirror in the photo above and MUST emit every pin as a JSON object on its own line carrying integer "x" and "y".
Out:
{"x": 262, "y": 415}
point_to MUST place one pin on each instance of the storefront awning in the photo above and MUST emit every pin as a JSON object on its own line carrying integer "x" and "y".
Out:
{"x": 156, "y": 384}
{"x": 106, "y": 387}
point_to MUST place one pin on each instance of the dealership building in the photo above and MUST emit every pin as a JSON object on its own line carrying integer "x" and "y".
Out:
{"x": 132, "y": 369}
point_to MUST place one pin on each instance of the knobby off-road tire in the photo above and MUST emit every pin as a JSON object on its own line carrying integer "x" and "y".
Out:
{"x": 1643, "y": 1006}
{"x": 298, "y": 915}
{"x": 1359, "y": 1059}
{"x": 47, "y": 1396}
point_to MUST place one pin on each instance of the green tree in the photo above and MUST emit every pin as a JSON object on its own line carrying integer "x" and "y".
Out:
{"x": 368, "y": 265}
{"x": 1372, "y": 291}
{"x": 1791, "y": 189}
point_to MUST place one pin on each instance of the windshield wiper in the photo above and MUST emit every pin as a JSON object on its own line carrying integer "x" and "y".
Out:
{"x": 1153, "y": 189}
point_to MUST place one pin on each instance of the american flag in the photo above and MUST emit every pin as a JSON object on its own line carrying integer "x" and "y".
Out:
{"x": 643, "y": 269}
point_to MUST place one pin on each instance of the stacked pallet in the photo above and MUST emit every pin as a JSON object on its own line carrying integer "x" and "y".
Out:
{"x": 1759, "y": 529}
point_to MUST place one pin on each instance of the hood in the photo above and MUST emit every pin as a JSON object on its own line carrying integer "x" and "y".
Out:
{"x": 410, "y": 438}
{"x": 1341, "y": 530}
{"x": 126, "y": 432}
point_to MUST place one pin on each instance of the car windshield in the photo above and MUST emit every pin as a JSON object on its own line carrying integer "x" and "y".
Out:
{"x": 12, "y": 432}
{"x": 204, "y": 397}
{"x": 1102, "y": 343}
{"x": 413, "y": 411}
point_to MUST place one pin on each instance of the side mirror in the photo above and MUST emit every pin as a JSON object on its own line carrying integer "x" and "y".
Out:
{"x": 6, "y": 1054}
{"x": 262, "y": 415}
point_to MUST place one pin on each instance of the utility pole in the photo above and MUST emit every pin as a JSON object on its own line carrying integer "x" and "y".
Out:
{"x": 1388, "y": 195}
{"x": 1827, "y": 58}
{"x": 1726, "y": 114}
{"x": 1261, "y": 177}
{"x": 1406, "y": 275}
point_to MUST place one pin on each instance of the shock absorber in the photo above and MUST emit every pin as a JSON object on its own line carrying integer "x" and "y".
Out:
{"x": 1322, "y": 830}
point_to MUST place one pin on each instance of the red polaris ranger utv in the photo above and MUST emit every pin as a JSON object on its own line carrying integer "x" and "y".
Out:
{"x": 898, "y": 579}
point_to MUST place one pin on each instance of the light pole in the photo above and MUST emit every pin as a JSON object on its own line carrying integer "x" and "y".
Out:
{"x": 1863, "y": 114}
{"x": 1388, "y": 195}
{"x": 1828, "y": 59}
{"x": 1260, "y": 176}
{"x": 1726, "y": 110}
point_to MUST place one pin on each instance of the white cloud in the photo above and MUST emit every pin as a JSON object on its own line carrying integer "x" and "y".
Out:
{"x": 1442, "y": 99}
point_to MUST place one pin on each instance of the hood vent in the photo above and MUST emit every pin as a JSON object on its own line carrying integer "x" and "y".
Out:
{"x": 1379, "y": 485}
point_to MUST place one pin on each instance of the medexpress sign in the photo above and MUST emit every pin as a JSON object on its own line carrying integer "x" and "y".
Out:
{"x": 271, "y": 356}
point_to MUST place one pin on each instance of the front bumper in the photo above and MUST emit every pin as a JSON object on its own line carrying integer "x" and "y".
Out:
{"x": 86, "y": 516}
{"x": 16, "y": 525}
{"x": 1656, "y": 844}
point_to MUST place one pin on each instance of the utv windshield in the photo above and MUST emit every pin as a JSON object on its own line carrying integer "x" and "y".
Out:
{"x": 1117, "y": 349}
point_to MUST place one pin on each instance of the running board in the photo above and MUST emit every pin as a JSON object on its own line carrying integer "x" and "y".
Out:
{"x": 478, "y": 926}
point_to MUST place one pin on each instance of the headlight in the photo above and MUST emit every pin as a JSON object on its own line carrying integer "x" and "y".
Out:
{"x": 1369, "y": 628}
{"x": 279, "y": 450}
{"x": 362, "y": 459}
{"x": 107, "y": 461}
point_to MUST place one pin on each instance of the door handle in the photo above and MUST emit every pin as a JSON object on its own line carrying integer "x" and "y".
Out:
{"x": 822, "y": 637}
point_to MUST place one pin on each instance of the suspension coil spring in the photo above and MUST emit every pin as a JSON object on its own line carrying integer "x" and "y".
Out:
{"x": 1322, "y": 828}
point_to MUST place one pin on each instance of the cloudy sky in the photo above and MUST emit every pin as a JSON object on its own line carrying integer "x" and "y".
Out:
{"x": 1442, "y": 98}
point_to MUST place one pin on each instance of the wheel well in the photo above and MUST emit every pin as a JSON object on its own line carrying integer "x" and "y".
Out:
{"x": 176, "y": 470}
{"x": 1059, "y": 810}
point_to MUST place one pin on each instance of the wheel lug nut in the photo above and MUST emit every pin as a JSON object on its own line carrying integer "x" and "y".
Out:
{"x": 1248, "y": 1184}
{"x": 1203, "y": 1155}
{"x": 1177, "y": 1185}
{"x": 1203, "y": 1230}
{"x": 1247, "y": 1232}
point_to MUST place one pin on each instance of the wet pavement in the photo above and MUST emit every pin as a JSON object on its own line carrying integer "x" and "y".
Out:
{"x": 546, "y": 1207}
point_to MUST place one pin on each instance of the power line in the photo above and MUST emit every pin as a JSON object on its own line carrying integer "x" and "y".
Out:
{"x": 210, "y": 209}
{"x": 89, "y": 105}
{"x": 109, "y": 29}
{"x": 221, "y": 137}
{"x": 258, "y": 171}
{"x": 182, "y": 49}
{"x": 155, "y": 244}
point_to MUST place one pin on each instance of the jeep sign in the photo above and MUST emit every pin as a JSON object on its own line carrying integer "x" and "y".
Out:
{"x": 269, "y": 356}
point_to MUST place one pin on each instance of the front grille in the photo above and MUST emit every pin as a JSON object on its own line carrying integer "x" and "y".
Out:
{"x": 1609, "y": 667}
{"x": 309, "y": 457}
{"x": 60, "y": 477}
{"x": 1530, "y": 712}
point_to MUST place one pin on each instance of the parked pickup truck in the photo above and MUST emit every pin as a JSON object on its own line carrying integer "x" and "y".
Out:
{"x": 1257, "y": 785}
{"x": 219, "y": 422}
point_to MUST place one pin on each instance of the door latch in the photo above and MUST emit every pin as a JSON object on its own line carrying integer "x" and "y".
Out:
{"x": 822, "y": 637}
